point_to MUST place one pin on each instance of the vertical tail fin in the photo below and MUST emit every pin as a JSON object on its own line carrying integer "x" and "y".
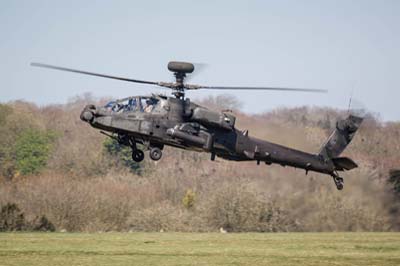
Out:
{"x": 338, "y": 141}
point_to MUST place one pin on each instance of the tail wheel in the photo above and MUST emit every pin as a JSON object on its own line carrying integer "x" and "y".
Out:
{"x": 137, "y": 155}
{"x": 338, "y": 182}
{"x": 155, "y": 153}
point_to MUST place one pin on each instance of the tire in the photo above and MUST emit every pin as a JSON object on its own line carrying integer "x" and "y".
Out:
{"x": 137, "y": 156}
{"x": 155, "y": 153}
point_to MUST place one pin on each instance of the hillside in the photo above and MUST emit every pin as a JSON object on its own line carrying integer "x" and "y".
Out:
{"x": 55, "y": 166}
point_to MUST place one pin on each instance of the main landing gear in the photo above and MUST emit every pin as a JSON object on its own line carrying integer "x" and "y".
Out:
{"x": 155, "y": 153}
{"x": 338, "y": 181}
{"x": 138, "y": 155}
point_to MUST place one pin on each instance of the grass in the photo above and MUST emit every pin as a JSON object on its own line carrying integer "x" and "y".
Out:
{"x": 200, "y": 249}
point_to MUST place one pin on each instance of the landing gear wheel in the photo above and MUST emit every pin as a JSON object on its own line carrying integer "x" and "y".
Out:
{"x": 155, "y": 153}
{"x": 338, "y": 182}
{"x": 137, "y": 155}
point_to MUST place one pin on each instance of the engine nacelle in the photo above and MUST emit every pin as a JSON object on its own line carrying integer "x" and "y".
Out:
{"x": 202, "y": 139}
{"x": 212, "y": 118}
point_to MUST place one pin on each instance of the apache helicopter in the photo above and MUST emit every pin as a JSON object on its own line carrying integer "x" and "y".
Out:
{"x": 157, "y": 120}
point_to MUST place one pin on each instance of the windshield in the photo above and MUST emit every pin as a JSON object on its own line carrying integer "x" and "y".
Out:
{"x": 135, "y": 104}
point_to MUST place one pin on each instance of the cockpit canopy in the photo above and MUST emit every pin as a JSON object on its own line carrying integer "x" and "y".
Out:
{"x": 145, "y": 104}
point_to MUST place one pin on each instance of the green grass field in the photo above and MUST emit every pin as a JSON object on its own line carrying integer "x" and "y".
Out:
{"x": 200, "y": 249}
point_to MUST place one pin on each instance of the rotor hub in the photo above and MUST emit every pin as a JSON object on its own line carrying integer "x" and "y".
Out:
{"x": 180, "y": 69}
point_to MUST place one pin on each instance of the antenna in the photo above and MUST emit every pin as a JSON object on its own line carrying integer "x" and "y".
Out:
{"x": 351, "y": 97}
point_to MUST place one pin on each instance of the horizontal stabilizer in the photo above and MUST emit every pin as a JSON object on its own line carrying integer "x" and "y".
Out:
{"x": 344, "y": 163}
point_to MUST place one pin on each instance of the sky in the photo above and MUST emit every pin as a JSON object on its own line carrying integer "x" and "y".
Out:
{"x": 346, "y": 47}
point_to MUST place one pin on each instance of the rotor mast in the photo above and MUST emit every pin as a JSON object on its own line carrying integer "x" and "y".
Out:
{"x": 180, "y": 69}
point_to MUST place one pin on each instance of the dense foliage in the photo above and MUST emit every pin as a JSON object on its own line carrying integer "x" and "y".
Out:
{"x": 32, "y": 150}
{"x": 25, "y": 147}
{"x": 13, "y": 219}
{"x": 394, "y": 179}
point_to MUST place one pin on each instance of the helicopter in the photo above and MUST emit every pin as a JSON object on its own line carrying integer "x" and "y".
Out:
{"x": 156, "y": 121}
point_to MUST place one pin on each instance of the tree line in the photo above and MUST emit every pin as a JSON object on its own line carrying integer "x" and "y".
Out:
{"x": 57, "y": 173}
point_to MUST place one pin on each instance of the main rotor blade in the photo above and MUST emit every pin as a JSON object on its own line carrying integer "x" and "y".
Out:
{"x": 257, "y": 88}
{"x": 93, "y": 74}
{"x": 198, "y": 69}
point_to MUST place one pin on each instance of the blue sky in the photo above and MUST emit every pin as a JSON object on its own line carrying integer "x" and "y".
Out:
{"x": 335, "y": 45}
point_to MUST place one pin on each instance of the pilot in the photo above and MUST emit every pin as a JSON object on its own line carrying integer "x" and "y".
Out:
{"x": 131, "y": 105}
{"x": 117, "y": 108}
{"x": 149, "y": 106}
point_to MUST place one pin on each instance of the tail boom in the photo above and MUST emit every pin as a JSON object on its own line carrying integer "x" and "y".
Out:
{"x": 327, "y": 161}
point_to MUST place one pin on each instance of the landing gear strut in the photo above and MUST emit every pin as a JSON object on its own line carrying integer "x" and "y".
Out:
{"x": 338, "y": 182}
{"x": 137, "y": 155}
